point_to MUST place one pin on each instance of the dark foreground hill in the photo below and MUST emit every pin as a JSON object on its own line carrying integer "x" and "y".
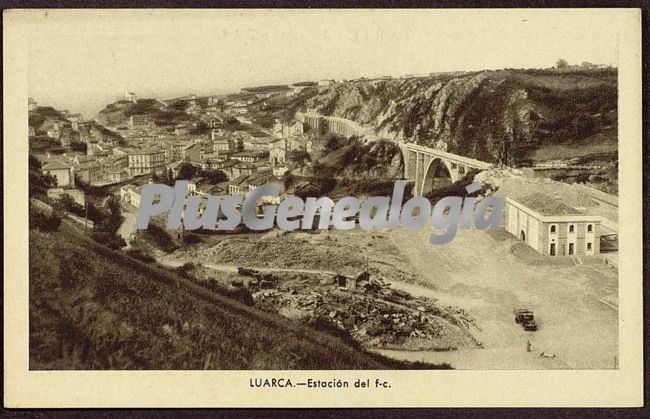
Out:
{"x": 93, "y": 308}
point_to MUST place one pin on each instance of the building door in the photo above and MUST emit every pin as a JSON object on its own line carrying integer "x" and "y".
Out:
{"x": 552, "y": 252}
{"x": 523, "y": 236}
{"x": 570, "y": 248}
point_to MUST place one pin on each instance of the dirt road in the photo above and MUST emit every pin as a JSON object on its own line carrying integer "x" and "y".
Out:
{"x": 233, "y": 269}
{"x": 127, "y": 228}
{"x": 576, "y": 305}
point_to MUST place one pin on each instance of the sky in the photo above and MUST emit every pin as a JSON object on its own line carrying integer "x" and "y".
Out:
{"x": 82, "y": 60}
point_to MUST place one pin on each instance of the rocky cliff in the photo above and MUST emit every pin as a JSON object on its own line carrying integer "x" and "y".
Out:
{"x": 497, "y": 116}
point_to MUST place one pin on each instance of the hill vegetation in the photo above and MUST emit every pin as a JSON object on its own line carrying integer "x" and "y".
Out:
{"x": 44, "y": 118}
{"x": 344, "y": 166}
{"x": 117, "y": 114}
{"x": 94, "y": 308}
{"x": 497, "y": 116}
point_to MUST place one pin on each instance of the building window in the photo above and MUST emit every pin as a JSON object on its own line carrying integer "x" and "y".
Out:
{"x": 590, "y": 228}
{"x": 552, "y": 229}
{"x": 588, "y": 246}
{"x": 571, "y": 228}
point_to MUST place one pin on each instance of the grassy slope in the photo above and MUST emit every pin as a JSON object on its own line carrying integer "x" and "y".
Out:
{"x": 599, "y": 144}
{"x": 118, "y": 113}
{"x": 92, "y": 308}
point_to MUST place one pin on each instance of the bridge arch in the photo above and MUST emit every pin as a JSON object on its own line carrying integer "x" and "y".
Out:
{"x": 422, "y": 164}
{"x": 438, "y": 173}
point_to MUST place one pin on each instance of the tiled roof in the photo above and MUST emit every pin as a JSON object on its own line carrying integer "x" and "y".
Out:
{"x": 55, "y": 165}
{"x": 547, "y": 205}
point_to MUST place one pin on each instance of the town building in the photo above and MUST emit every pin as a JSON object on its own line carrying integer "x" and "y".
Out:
{"x": 131, "y": 97}
{"x": 144, "y": 161}
{"x": 243, "y": 168}
{"x": 62, "y": 172}
{"x": 75, "y": 119}
{"x": 238, "y": 186}
{"x": 115, "y": 163}
{"x": 206, "y": 190}
{"x": 304, "y": 188}
{"x": 140, "y": 121}
{"x": 279, "y": 171}
{"x": 54, "y": 133}
{"x": 174, "y": 150}
{"x": 181, "y": 129}
{"x": 248, "y": 156}
{"x": 89, "y": 172}
{"x": 212, "y": 163}
{"x": 288, "y": 129}
{"x": 217, "y": 133}
{"x": 228, "y": 167}
{"x": 175, "y": 168}
{"x": 191, "y": 153}
{"x": 222, "y": 144}
{"x": 278, "y": 153}
{"x": 551, "y": 227}
{"x": 131, "y": 194}
{"x": 255, "y": 182}
{"x": 116, "y": 176}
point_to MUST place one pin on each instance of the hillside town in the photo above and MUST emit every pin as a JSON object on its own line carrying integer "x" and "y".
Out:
{"x": 243, "y": 157}
{"x": 368, "y": 286}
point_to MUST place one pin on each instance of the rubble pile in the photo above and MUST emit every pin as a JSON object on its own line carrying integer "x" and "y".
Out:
{"x": 373, "y": 313}
{"x": 299, "y": 250}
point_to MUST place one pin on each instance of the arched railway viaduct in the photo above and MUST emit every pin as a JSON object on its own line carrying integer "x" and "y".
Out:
{"x": 421, "y": 164}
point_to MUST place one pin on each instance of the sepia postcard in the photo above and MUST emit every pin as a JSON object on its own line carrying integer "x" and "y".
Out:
{"x": 322, "y": 208}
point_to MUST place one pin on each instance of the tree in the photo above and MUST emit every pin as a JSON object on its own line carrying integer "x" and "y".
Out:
{"x": 79, "y": 146}
{"x": 187, "y": 171}
{"x": 67, "y": 203}
{"x": 115, "y": 210}
{"x": 561, "y": 63}
{"x": 214, "y": 176}
{"x": 34, "y": 163}
{"x": 39, "y": 183}
{"x": 289, "y": 179}
{"x": 43, "y": 221}
{"x": 200, "y": 128}
{"x": 299, "y": 156}
{"x": 108, "y": 239}
{"x": 333, "y": 142}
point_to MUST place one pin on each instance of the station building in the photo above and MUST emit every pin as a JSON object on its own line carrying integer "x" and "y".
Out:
{"x": 551, "y": 227}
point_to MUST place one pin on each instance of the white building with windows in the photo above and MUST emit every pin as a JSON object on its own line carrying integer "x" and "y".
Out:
{"x": 551, "y": 227}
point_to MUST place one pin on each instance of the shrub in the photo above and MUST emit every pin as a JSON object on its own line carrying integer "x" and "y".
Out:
{"x": 138, "y": 254}
{"x": 108, "y": 239}
{"x": 185, "y": 269}
{"x": 187, "y": 171}
{"x": 42, "y": 221}
{"x": 191, "y": 239}
{"x": 322, "y": 324}
{"x": 214, "y": 176}
{"x": 160, "y": 238}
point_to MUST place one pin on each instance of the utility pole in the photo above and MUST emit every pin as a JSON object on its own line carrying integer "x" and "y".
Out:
{"x": 86, "y": 205}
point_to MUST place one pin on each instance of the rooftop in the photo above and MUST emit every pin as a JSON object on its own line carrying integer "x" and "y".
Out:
{"x": 145, "y": 151}
{"x": 55, "y": 165}
{"x": 547, "y": 205}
